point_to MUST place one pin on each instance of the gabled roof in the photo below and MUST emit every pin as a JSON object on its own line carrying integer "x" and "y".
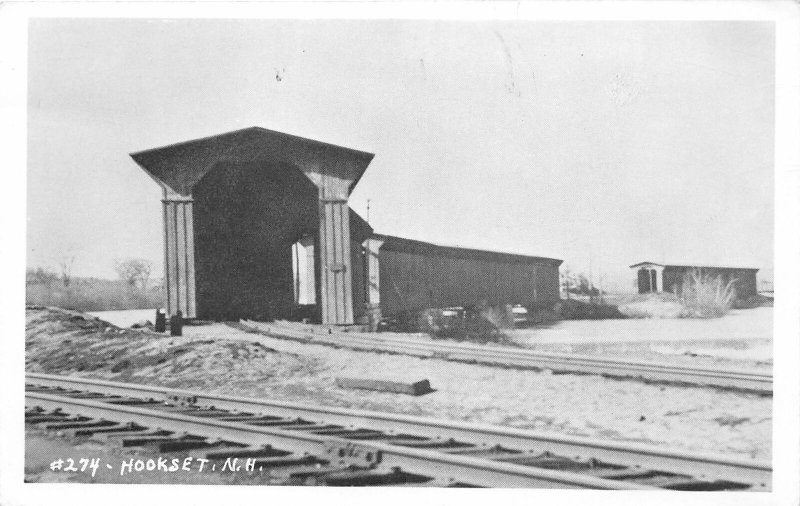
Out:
{"x": 646, "y": 263}
{"x": 181, "y": 166}
{"x": 393, "y": 243}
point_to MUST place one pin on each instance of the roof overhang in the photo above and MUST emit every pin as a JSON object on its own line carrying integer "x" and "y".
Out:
{"x": 426, "y": 248}
{"x": 716, "y": 267}
{"x": 179, "y": 167}
{"x": 646, "y": 264}
{"x": 693, "y": 266}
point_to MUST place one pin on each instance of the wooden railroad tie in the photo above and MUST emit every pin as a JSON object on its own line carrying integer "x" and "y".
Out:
{"x": 416, "y": 388}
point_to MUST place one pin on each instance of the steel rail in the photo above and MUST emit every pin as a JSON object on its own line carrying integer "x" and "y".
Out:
{"x": 701, "y": 465}
{"x": 500, "y": 351}
{"x": 748, "y": 380}
{"x": 452, "y": 468}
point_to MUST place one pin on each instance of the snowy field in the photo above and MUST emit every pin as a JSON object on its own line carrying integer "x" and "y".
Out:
{"x": 222, "y": 360}
{"x": 742, "y": 324}
{"x": 743, "y": 338}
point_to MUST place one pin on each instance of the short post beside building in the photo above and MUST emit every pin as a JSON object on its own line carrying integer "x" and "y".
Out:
{"x": 176, "y": 324}
{"x": 161, "y": 321}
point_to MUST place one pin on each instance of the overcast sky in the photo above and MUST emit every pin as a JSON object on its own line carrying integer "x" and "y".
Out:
{"x": 603, "y": 144}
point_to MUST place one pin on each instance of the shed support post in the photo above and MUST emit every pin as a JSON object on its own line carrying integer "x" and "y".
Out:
{"x": 179, "y": 282}
{"x": 336, "y": 277}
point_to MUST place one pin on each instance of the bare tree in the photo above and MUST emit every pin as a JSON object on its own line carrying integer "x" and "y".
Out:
{"x": 567, "y": 279}
{"x": 66, "y": 269}
{"x": 40, "y": 276}
{"x": 134, "y": 271}
{"x": 577, "y": 283}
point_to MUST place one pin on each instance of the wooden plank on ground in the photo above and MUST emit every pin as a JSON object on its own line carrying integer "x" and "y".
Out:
{"x": 421, "y": 387}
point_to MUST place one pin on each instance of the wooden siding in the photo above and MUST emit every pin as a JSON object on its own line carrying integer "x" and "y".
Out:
{"x": 179, "y": 262}
{"x": 336, "y": 270}
{"x": 416, "y": 280}
{"x": 255, "y": 190}
{"x": 746, "y": 286}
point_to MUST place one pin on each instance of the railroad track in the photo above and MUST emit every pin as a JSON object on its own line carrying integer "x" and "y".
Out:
{"x": 743, "y": 380}
{"x": 336, "y": 446}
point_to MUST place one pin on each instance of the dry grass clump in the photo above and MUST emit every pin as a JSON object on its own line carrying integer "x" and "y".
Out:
{"x": 571, "y": 309}
{"x": 706, "y": 296}
{"x": 497, "y": 317}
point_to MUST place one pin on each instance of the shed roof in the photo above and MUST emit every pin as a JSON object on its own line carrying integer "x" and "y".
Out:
{"x": 181, "y": 166}
{"x": 393, "y": 243}
{"x": 720, "y": 267}
{"x": 646, "y": 263}
{"x": 695, "y": 266}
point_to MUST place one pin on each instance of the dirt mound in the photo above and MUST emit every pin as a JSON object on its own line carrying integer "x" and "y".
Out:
{"x": 48, "y": 319}
{"x": 62, "y": 341}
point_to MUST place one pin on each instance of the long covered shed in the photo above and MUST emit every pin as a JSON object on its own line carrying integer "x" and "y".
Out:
{"x": 256, "y": 225}
{"x": 656, "y": 277}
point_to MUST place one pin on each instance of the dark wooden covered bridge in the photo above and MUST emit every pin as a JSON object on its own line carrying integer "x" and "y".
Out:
{"x": 256, "y": 225}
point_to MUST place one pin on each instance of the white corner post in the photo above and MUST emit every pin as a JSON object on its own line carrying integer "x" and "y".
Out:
{"x": 658, "y": 278}
{"x": 372, "y": 251}
{"x": 179, "y": 280}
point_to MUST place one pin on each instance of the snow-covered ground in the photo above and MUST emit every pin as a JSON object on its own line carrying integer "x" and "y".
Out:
{"x": 696, "y": 419}
{"x": 742, "y": 338}
{"x": 219, "y": 359}
{"x": 126, "y": 318}
{"x": 741, "y": 324}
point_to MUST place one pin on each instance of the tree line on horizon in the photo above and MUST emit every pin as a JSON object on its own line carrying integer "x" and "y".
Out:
{"x": 133, "y": 289}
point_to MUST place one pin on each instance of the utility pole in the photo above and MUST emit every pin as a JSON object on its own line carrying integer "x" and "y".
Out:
{"x": 600, "y": 268}
{"x": 368, "y": 201}
{"x": 591, "y": 276}
{"x": 600, "y": 282}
